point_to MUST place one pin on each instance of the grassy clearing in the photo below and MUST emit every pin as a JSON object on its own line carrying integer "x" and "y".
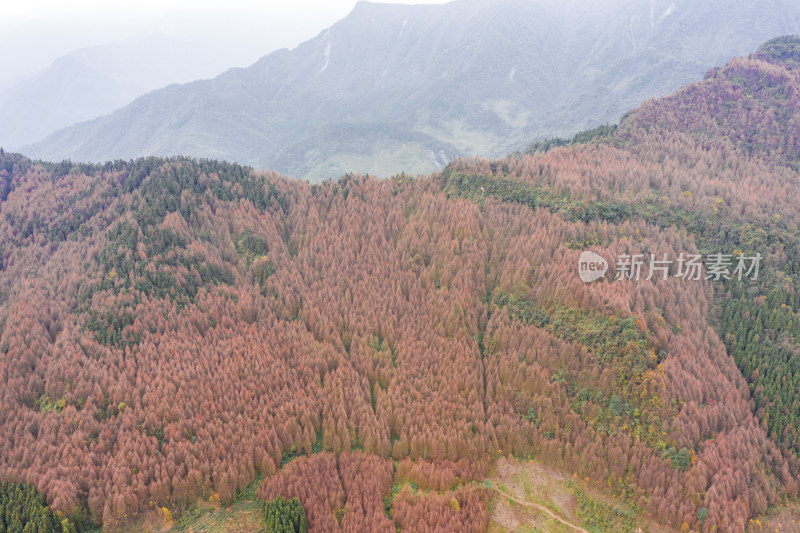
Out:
{"x": 241, "y": 517}
{"x": 554, "y": 490}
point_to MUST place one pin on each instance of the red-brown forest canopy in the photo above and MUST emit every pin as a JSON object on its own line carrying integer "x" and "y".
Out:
{"x": 170, "y": 328}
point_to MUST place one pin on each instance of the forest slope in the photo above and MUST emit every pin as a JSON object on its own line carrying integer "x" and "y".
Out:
{"x": 169, "y": 328}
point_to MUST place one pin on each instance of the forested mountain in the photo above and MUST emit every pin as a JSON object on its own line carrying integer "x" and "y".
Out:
{"x": 400, "y": 87}
{"x": 94, "y": 81}
{"x": 171, "y": 328}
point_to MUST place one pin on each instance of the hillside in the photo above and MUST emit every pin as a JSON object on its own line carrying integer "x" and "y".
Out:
{"x": 395, "y": 88}
{"x": 170, "y": 328}
{"x": 94, "y": 81}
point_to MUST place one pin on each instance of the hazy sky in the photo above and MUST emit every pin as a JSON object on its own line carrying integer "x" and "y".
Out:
{"x": 34, "y": 32}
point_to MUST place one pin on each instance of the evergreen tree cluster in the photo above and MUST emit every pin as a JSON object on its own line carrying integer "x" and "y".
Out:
{"x": 24, "y": 510}
{"x": 285, "y": 516}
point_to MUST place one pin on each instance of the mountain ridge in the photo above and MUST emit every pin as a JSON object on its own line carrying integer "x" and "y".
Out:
{"x": 175, "y": 327}
{"x": 95, "y": 81}
{"x": 428, "y": 83}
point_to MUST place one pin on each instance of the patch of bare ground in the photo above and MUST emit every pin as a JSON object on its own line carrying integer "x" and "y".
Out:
{"x": 529, "y": 481}
{"x": 779, "y": 519}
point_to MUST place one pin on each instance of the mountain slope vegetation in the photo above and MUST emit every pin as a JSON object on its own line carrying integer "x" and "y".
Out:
{"x": 395, "y": 88}
{"x": 170, "y": 329}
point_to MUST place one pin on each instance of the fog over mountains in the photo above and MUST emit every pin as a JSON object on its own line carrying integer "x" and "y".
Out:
{"x": 405, "y": 88}
{"x": 94, "y": 81}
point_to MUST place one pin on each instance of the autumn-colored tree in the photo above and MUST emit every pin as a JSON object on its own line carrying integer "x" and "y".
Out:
{"x": 172, "y": 328}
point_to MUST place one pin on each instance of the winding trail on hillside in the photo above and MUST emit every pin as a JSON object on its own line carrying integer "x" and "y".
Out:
{"x": 539, "y": 507}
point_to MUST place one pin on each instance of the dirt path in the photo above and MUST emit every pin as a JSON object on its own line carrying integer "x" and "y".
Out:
{"x": 539, "y": 507}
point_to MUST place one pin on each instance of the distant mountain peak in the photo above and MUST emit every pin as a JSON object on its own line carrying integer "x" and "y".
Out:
{"x": 390, "y": 84}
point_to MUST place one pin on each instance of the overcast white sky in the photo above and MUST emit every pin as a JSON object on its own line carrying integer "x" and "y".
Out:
{"x": 34, "y": 32}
